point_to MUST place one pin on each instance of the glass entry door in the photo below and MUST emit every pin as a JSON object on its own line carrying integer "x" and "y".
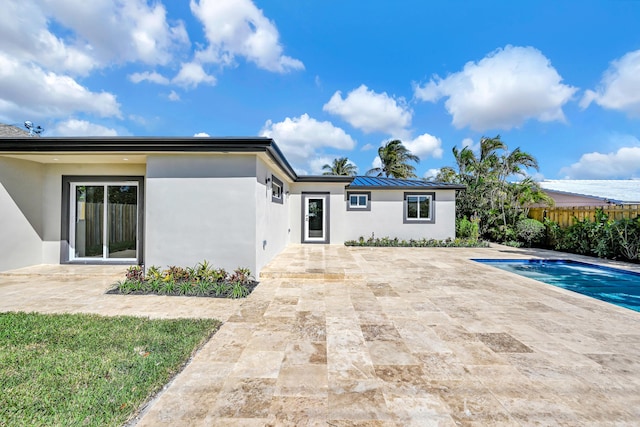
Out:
{"x": 104, "y": 221}
{"x": 315, "y": 218}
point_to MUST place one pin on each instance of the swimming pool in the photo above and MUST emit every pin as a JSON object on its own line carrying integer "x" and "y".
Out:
{"x": 619, "y": 287}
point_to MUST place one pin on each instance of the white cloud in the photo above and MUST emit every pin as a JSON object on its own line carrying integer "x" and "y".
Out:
{"x": 624, "y": 163}
{"x": 303, "y": 138}
{"x": 173, "y": 96}
{"x": 152, "y": 77}
{"x": 118, "y": 31}
{"x": 425, "y": 145}
{"x": 25, "y": 37}
{"x": 30, "y": 91}
{"x": 192, "y": 74}
{"x": 46, "y": 44}
{"x": 473, "y": 146}
{"x": 619, "y": 88}
{"x": 238, "y": 28}
{"x": 201, "y": 135}
{"x": 376, "y": 163}
{"x": 369, "y": 111}
{"x": 503, "y": 90}
{"x": 431, "y": 173}
{"x": 74, "y": 127}
{"x": 317, "y": 163}
{"x": 367, "y": 147}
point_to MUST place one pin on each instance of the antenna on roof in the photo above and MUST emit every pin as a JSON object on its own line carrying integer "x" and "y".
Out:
{"x": 33, "y": 130}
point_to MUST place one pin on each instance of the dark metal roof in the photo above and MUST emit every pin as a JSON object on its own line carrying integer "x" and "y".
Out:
{"x": 362, "y": 182}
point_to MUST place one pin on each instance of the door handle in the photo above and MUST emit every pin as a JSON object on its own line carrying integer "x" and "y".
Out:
{"x": 306, "y": 218}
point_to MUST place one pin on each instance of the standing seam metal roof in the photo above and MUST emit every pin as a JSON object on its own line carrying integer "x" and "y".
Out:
{"x": 394, "y": 183}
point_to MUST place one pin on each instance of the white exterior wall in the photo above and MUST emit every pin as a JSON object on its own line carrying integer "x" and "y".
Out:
{"x": 337, "y": 210}
{"x": 52, "y": 197}
{"x": 272, "y": 219}
{"x": 21, "y": 212}
{"x": 31, "y": 204}
{"x": 201, "y": 207}
{"x": 385, "y": 219}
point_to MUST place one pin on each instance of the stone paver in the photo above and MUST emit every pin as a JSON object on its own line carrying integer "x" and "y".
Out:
{"x": 337, "y": 336}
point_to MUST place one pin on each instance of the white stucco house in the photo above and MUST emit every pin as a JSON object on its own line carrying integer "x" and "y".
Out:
{"x": 178, "y": 201}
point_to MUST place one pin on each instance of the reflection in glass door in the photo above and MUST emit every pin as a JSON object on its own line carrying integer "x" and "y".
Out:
{"x": 315, "y": 218}
{"x": 104, "y": 221}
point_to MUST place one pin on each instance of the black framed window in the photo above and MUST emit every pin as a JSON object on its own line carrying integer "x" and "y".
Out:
{"x": 277, "y": 190}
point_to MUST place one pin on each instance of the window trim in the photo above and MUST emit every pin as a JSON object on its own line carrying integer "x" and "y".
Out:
{"x": 432, "y": 217}
{"x": 65, "y": 217}
{"x": 277, "y": 182}
{"x": 358, "y": 208}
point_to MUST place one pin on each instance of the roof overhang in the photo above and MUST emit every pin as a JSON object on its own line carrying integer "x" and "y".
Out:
{"x": 326, "y": 178}
{"x": 142, "y": 146}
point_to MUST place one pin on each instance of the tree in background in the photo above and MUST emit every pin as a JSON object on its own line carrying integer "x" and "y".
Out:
{"x": 489, "y": 196}
{"x": 395, "y": 158}
{"x": 340, "y": 166}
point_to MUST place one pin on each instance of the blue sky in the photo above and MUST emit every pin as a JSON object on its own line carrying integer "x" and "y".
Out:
{"x": 326, "y": 79}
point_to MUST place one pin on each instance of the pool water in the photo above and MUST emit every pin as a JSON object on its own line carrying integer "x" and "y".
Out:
{"x": 619, "y": 287}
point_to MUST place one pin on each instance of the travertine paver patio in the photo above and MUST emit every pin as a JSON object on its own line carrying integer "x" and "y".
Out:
{"x": 337, "y": 336}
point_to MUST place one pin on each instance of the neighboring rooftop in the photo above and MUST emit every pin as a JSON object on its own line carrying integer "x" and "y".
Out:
{"x": 9, "y": 131}
{"x": 619, "y": 191}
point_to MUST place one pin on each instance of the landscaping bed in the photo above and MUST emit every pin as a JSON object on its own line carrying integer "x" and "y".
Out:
{"x": 417, "y": 243}
{"x": 200, "y": 281}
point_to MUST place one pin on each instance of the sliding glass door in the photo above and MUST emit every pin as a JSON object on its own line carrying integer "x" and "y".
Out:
{"x": 103, "y": 221}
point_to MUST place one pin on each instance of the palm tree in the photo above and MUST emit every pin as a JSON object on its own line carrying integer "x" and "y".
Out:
{"x": 395, "y": 159}
{"x": 489, "y": 195}
{"x": 341, "y": 166}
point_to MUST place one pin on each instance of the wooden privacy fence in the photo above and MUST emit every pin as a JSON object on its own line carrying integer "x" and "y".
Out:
{"x": 564, "y": 216}
{"x": 122, "y": 225}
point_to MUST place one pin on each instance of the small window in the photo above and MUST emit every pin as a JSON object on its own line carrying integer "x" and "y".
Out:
{"x": 359, "y": 201}
{"x": 418, "y": 208}
{"x": 276, "y": 190}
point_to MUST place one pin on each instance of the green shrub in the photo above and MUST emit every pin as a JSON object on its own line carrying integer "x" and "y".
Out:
{"x": 238, "y": 290}
{"x": 202, "y": 280}
{"x": 627, "y": 237}
{"x": 530, "y": 231}
{"x": 468, "y": 229}
{"x": 502, "y": 233}
{"x": 416, "y": 243}
{"x": 603, "y": 237}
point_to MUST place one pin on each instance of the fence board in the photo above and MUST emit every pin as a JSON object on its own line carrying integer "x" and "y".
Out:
{"x": 565, "y": 216}
{"x": 122, "y": 219}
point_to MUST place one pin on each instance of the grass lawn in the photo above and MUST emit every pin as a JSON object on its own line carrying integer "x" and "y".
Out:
{"x": 77, "y": 369}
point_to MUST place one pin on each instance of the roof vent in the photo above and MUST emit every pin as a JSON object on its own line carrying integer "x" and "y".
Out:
{"x": 33, "y": 130}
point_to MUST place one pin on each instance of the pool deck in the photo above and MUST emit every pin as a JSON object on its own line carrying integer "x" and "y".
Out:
{"x": 337, "y": 336}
